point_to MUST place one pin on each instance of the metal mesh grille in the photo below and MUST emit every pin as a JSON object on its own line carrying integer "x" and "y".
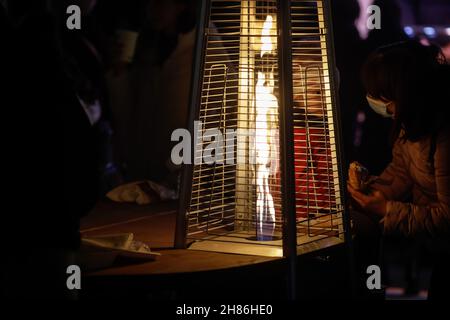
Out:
{"x": 318, "y": 199}
{"x": 236, "y": 195}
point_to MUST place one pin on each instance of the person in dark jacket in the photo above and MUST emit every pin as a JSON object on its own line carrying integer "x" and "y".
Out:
{"x": 55, "y": 153}
{"x": 409, "y": 82}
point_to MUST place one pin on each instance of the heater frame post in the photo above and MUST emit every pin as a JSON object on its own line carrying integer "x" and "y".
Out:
{"x": 185, "y": 188}
{"x": 287, "y": 143}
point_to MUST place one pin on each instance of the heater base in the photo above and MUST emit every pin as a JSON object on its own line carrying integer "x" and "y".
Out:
{"x": 236, "y": 244}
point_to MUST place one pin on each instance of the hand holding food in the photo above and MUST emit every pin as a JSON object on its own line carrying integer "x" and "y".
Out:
{"x": 358, "y": 176}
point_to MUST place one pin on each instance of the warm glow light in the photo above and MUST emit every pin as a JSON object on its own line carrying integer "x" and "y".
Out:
{"x": 266, "y": 108}
{"x": 266, "y": 40}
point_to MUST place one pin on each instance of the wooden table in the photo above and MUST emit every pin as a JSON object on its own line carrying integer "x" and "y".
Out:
{"x": 183, "y": 273}
{"x": 155, "y": 225}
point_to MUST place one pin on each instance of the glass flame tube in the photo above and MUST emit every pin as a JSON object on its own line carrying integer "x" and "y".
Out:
{"x": 265, "y": 142}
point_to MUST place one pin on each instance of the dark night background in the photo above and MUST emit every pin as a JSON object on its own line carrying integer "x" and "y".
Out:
{"x": 59, "y": 166}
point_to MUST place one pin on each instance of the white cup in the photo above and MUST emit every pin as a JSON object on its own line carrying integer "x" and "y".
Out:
{"x": 127, "y": 41}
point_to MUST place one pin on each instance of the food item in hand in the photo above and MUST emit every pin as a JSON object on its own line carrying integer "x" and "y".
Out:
{"x": 358, "y": 176}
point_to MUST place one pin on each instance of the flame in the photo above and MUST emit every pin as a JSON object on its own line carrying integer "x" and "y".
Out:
{"x": 266, "y": 108}
{"x": 266, "y": 40}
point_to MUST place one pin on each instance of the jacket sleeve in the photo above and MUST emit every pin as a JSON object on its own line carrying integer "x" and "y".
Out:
{"x": 395, "y": 182}
{"x": 431, "y": 221}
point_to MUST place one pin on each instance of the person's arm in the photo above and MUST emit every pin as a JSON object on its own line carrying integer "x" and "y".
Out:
{"x": 395, "y": 182}
{"x": 433, "y": 220}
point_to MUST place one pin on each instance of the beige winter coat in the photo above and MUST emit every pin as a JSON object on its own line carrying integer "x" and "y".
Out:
{"x": 411, "y": 175}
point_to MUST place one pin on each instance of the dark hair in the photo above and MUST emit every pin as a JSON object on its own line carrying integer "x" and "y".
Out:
{"x": 417, "y": 78}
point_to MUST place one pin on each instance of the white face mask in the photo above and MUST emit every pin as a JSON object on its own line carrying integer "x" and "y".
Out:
{"x": 379, "y": 107}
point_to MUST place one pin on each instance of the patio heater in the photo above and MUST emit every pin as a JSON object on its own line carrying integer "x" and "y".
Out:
{"x": 267, "y": 174}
